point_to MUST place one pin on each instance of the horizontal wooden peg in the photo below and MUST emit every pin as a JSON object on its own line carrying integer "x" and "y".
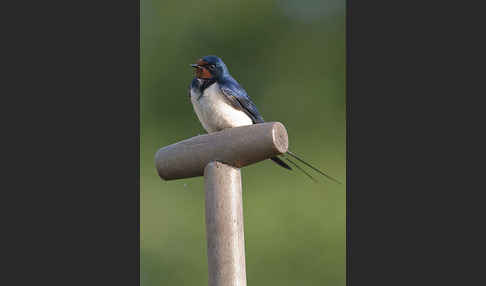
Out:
{"x": 237, "y": 147}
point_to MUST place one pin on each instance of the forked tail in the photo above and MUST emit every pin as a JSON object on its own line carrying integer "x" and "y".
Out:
{"x": 283, "y": 164}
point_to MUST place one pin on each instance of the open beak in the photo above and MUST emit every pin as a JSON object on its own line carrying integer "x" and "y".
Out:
{"x": 200, "y": 71}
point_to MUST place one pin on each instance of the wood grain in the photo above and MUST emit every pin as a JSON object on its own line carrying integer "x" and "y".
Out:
{"x": 238, "y": 147}
{"x": 224, "y": 225}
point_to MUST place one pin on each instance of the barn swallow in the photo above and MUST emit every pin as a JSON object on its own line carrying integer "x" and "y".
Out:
{"x": 220, "y": 102}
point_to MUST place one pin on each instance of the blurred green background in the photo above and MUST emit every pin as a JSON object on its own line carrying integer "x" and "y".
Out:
{"x": 290, "y": 58}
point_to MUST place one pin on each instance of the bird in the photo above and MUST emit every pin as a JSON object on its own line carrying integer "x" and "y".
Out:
{"x": 220, "y": 102}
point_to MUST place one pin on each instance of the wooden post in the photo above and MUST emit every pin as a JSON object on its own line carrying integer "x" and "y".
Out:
{"x": 224, "y": 225}
{"x": 219, "y": 156}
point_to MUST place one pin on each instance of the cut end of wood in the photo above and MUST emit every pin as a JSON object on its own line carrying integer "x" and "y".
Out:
{"x": 159, "y": 164}
{"x": 280, "y": 137}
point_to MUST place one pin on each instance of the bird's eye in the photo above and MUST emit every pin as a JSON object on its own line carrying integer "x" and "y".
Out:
{"x": 212, "y": 66}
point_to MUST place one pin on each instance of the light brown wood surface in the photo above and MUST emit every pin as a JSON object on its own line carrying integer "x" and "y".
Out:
{"x": 224, "y": 225}
{"x": 219, "y": 156}
{"x": 238, "y": 147}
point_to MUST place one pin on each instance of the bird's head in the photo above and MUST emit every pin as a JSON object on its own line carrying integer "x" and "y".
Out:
{"x": 210, "y": 67}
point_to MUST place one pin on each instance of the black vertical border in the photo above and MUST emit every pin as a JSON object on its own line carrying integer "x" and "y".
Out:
{"x": 70, "y": 194}
{"x": 412, "y": 121}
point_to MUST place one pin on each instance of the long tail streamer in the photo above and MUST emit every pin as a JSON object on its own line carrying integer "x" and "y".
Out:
{"x": 310, "y": 166}
{"x": 300, "y": 168}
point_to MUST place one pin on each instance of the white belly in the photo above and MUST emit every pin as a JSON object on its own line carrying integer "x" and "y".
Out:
{"x": 215, "y": 113}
